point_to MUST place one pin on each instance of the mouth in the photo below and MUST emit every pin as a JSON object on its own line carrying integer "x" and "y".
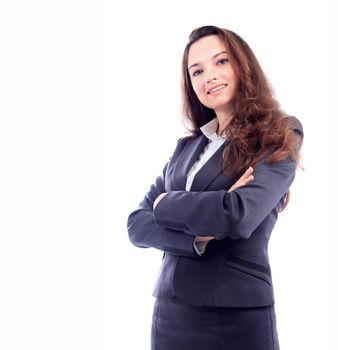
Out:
{"x": 217, "y": 88}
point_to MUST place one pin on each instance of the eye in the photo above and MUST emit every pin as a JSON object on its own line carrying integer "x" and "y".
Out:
{"x": 197, "y": 72}
{"x": 222, "y": 61}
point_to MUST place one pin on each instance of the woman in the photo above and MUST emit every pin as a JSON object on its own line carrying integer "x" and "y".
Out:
{"x": 214, "y": 207}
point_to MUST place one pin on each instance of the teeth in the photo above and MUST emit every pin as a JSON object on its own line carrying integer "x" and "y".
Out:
{"x": 218, "y": 88}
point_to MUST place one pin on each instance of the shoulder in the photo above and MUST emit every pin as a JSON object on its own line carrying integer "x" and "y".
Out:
{"x": 181, "y": 144}
{"x": 296, "y": 125}
{"x": 178, "y": 148}
{"x": 187, "y": 138}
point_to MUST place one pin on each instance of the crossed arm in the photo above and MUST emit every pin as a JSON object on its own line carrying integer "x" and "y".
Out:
{"x": 243, "y": 180}
{"x": 222, "y": 213}
{"x": 181, "y": 217}
{"x": 144, "y": 232}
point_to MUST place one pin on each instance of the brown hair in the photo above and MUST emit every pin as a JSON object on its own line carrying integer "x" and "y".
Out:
{"x": 258, "y": 128}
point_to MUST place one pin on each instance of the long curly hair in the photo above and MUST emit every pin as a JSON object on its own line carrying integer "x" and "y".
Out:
{"x": 259, "y": 128}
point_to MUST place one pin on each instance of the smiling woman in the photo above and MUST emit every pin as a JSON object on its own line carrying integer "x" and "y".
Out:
{"x": 213, "y": 208}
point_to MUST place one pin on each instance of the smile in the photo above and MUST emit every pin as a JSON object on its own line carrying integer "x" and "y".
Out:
{"x": 217, "y": 88}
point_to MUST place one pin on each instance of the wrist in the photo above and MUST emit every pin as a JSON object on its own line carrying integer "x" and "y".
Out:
{"x": 157, "y": 200}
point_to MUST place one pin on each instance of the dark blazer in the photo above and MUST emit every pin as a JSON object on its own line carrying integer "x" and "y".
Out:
{"x": 234, "y": 271}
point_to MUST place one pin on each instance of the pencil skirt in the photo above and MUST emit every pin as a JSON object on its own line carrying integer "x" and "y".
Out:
{"x": 177, "y": 326}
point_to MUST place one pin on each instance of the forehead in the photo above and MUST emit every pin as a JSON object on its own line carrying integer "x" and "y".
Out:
{"x": 205, "y": 48}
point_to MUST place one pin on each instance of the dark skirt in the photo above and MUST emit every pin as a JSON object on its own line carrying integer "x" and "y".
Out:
{"x": 177, "y": 326}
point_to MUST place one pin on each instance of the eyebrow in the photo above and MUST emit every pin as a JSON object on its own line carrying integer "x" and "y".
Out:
{"x": 217, "y": 54}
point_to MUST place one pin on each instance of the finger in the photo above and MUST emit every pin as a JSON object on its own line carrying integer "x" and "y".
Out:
{"x": 248, "y": 179}
{"x": 243, "y": 181}
{"x": 247, "y": 173}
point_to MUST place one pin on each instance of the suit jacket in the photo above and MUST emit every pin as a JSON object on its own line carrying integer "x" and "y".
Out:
{"x": 234, "y": 271}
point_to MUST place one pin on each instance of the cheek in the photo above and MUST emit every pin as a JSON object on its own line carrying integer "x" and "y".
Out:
{"x": 235, "y": 86}
{"x": 198, "y": 88}
{"x": 235, "y": 80}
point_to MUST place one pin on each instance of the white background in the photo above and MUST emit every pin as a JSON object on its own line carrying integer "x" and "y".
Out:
{"x": 90, "y": 101}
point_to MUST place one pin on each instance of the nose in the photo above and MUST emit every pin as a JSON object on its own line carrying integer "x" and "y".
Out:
{"x": 210, "y": 78}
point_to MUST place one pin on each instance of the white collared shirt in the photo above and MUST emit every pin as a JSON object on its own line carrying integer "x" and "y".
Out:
{"x": 215, "y": 142}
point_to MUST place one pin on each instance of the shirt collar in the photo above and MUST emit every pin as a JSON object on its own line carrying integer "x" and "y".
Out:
{"x": 209, "y": 130}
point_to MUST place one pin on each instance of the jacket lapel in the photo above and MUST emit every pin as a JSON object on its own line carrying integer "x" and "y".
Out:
{"x": 211, "y": 169}
{"x": 186, "y": 160}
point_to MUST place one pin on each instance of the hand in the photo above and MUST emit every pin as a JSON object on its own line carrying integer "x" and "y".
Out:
{"x": 243, "y": 180}
{"x": 203, "y": 238}
{"x": 158, "y": 199}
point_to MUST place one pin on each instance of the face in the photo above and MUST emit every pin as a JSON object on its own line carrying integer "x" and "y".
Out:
{"x": 212, "y": 75}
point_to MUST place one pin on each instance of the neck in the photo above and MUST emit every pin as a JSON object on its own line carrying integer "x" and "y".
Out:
{"x": 223, "y": 121}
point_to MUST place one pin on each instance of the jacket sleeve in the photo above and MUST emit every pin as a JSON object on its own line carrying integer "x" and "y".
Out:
{"x": 144, "y": 232}
{"x": 221, "y": 213}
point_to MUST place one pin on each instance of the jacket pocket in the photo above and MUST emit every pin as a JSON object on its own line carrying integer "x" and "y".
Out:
{"x": 250, "y": 268}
